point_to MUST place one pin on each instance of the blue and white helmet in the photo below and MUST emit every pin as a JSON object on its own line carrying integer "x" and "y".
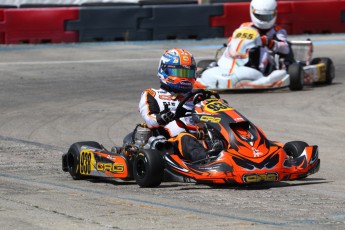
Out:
{"x": 176, "y": 70}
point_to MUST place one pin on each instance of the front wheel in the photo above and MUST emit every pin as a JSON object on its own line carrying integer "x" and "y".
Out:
{"x": 148, "y": 168}
{"x": 296, "y": 77}
{"x": 295, "y": 149}
{"x": 73, "y": 158}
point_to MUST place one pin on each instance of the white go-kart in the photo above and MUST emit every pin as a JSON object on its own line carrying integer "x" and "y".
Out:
{"x": 232, "y": 71}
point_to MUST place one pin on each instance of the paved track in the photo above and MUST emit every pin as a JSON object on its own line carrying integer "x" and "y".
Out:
{"x": 54, "y": 95}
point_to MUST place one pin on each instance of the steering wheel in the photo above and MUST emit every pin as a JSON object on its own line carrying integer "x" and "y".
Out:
{"x": 197, "y": 95}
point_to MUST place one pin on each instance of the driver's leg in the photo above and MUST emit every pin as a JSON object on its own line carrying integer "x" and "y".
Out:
{"x": 189, "y": 147}
{"x": 254, "y": 58}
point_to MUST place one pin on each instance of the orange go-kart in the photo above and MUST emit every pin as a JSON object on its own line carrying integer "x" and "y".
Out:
{"x": 245, "y": 155}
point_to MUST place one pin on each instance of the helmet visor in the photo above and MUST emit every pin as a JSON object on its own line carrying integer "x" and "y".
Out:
{"x": 265, "y": 17}
{"x": 180, "y": 72}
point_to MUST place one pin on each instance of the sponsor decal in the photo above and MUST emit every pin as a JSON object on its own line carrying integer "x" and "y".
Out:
{"x": 169, "y": 104}
{"x": 187, "y": 83}
{"x": 110, "y": 157}
{"x": 256, "y": 152}
{"x": 165, "y": 97}
{"x": 114, "y": 168}
{"x": 210, "y": 119}
{"x": 185, "y": 58}
{"x": 253, "y": 178}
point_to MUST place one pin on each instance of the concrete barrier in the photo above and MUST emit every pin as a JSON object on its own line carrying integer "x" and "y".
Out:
{"x": 297, "y": 17}
{"x": 159, "y": 22}
{"x": 182, "y": 22}
{"x": 36, "y": 25}
{"x": 110, "y": 24}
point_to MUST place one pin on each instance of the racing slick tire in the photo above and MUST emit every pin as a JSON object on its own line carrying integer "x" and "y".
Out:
{"x": 330, "y": 69}
{"x": 296, "y": 77}
{"x": 73, "y": 158}
{"x": 148, "y": 168}
{"x": 294, "y": 149}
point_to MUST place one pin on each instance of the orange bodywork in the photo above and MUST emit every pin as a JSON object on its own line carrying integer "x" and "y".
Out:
{"x": 100, "y": 163}
{"x": 249, "y": 158}
{"x": 232, "y": 167}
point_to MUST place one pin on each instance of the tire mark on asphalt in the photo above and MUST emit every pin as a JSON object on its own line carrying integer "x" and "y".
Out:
{"x": 44, "y": 146}
{"x": 54, "y": 212}
{"x": 64, "y": 187}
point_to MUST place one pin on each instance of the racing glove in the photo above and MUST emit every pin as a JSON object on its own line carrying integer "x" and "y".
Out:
{"x": 165, "y": 116}
{"x": 270, "y": 43}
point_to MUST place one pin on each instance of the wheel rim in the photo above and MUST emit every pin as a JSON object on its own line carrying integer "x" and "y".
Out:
{"x": 141, "y": 169}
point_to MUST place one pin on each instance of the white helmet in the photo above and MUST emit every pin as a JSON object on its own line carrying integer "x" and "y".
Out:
{"x": 263, "y": 13}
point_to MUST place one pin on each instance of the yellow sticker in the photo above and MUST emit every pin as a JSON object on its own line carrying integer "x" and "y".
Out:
{"x": 321, "y": 68}
{"x": 254, "y": 178}
{"x": 87, "y": 162}
{"x": 210, "y": 119}
{"x": 216, "y": 106}
{"x": 245, "y": 33}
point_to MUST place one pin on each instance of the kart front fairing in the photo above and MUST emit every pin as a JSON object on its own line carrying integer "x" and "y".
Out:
{"x": 248, "y": 155}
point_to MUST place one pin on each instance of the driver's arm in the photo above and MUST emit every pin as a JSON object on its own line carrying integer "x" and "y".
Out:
{"x": 149, "y": 108}
{"x": 282, "y": 45}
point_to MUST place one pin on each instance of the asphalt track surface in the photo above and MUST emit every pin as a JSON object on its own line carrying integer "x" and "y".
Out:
{"x": 54, "y": 95}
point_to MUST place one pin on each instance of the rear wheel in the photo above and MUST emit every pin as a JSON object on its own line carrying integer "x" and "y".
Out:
{"x": 149, "y": 168}
{"x": 330, "y": 69}
{"x": 73, "y": 158}
{"x": 295, "y": 149}
{"x": 296, "y": 77}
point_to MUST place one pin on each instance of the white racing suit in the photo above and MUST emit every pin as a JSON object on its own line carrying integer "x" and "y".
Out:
{"x": 281, "y": 46}
{"x": 152, "y": 102}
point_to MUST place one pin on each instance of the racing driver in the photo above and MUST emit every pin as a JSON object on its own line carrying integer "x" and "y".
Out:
{"x": 263, "y": 14}
{"x": 176, "y": 72}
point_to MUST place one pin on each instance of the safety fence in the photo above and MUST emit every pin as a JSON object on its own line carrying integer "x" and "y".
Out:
{"x": 158, "y": 22}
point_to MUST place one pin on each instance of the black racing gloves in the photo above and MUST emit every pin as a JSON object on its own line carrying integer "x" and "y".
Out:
{"x": 165, "y": 116}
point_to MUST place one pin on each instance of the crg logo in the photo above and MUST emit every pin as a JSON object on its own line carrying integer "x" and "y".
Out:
{"x": 114, "y": 168}
{"x": 253, "y": 178}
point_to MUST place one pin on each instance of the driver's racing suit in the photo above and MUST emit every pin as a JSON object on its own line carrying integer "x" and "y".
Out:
{"x": 274, "y": 39}
{"x": 152, "y": 103}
